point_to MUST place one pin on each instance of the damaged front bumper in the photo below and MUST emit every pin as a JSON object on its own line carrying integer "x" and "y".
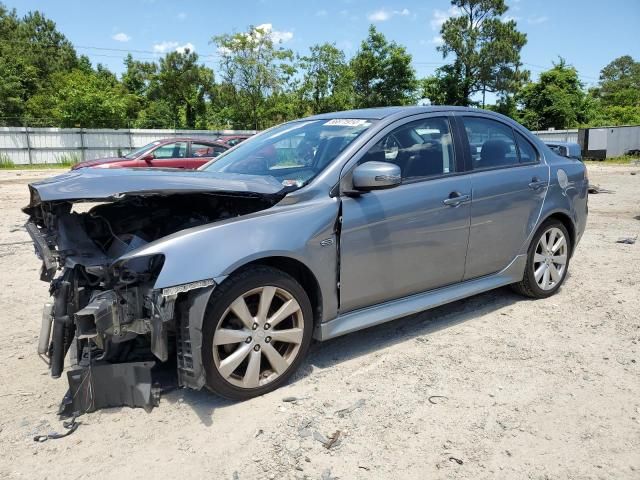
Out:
{"x": 114, "y": 325}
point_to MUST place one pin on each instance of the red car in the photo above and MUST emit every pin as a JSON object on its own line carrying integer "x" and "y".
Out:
{"x": 189, "y": 153}
{"x": 233, "y": 140}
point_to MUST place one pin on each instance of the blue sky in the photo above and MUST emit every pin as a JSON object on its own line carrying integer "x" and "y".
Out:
{"x": 587, "y": 33}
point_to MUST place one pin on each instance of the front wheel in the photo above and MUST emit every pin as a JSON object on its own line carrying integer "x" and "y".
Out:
{"x": 547, "y": 261}
{"x": 256, "y": 332}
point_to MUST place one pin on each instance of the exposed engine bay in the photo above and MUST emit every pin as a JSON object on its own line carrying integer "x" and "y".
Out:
{"x": 104, "y": 311}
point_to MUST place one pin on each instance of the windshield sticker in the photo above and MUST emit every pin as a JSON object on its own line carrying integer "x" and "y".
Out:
{"x": 292, "y": 183}
{"x": 346, "y": 122}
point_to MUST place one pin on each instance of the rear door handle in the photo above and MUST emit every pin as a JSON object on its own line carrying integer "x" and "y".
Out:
{"x": 455, "y": 199}
{"x": 537, "y": 184}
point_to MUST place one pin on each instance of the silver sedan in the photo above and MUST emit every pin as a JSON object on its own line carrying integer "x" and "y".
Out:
{"x": 313, "y": 229}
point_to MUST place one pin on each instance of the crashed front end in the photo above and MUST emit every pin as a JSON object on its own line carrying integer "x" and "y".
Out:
{"x": 106, "y": 314}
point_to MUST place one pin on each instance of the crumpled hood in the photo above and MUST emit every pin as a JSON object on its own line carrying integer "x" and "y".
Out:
{"x": 89, "y": 184}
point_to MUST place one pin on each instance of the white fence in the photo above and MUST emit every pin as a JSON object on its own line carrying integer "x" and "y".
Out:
{"x": 25, "y": 145}
{"x": 558, "y": 135}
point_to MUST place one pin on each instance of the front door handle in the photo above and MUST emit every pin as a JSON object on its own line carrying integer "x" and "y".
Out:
{"x": 456, "y": 198}
{"x": 537, "y": 184}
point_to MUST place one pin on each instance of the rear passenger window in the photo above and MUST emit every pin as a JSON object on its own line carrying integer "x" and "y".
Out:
{"x": 421, "y": 149}
{"x": 201, "y": 150}
{"x": 528, "y": 153}
{"x": 491, "y": 143}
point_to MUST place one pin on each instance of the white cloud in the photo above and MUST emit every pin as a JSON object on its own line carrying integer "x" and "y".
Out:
{"x": 437, "y": 40}
{"x": 187, "y": 46}
{"x": 537, "y": 20}
{"x": 321, "y": 13}
{"x": 379, "y": 16}
{"x": 440, "y": 16}
{"x": 166, "y": 46}
{"x": 508, "y": 18}
{"x": 182, "y": 16}
{"x": 163, "y": 47}
{"x": 383, "y": 15}
{"x": 276, "y": 35}
{"x": 121, "y": 37}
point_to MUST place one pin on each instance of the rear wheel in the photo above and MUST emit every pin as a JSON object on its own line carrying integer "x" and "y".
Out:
{"x": 256, "y": 333}
{"x": 547, "y": 261}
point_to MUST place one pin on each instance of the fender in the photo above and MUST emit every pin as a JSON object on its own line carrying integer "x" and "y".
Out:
{"x": 304, "y": 232}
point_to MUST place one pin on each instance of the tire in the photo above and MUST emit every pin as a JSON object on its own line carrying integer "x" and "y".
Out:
{"x": 237, "y": 321}
{"x": 547, "y": 284}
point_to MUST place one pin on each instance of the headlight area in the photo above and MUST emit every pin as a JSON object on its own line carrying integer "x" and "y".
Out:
{"x": 114, "y": 325}
{"x": 128, "y": 307}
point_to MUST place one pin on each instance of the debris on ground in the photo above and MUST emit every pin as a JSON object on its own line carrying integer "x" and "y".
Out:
{"x": 627, "y": 240}
{"x": 293, "y": 399}
{"x": 320, "y": 437}
{"x": 457, "y": 460}
{"x": 70, "y": 425}
{"x": 433, "y": 397}
{"x": 341, "y": 413}
{"x": 326, "y": 475}
{"x": 598, "y": 189}
{"x": 333, "y": 439}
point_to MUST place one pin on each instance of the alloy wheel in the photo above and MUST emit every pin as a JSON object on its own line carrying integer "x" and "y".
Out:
{"x": 550, "y": 259}
{"x": 258, "y": 337}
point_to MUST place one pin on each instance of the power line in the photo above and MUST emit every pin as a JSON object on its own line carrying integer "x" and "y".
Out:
{"x": 211, "y": 58}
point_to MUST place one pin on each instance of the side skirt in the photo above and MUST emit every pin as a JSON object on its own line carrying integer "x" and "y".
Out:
{"x": 394, "y": 309}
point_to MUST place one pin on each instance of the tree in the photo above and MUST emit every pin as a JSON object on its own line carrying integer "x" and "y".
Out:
{"x": 556, "y": 100}
{"x": 486, "y": 51}
{"x": 620, "y": 83}
{"x": 32, "y": 50}
{"x": 185, "y": 86}
{"x": 382, "y": 72}
{"x": 138, "y": 76}
{"x": 253, "y": 68}
{"x": 327, "y": 82}
{"x": 81, "y": 99}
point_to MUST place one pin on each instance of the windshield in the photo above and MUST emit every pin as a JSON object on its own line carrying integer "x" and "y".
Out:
{"x": 293, "y": 153}
{"x": 140, "y": 151}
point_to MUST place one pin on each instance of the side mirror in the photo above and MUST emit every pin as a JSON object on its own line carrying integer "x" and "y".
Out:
{"x": 376, "y": 176}
{"x": 148, "y": 157}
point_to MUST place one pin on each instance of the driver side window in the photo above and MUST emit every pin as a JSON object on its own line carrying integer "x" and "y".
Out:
{"x": 421, "y": 149}
{"x": 171, "y": 150}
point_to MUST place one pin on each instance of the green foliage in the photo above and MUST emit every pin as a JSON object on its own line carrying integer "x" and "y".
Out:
{"x": 382, "y": 72}
{"x": 67, "y": 159}
{"x": 620, "y": 83}
{"x": 185, "y": 86}
{"x": 6, "y": 162}
{"x": 556, "y": 100}
{"x": 486, "y": 51}
{"x": 327, "y": 84}
{"x": 157, "y": 114}
{"x": 31, "y": 52}
{"x": 260, "y": 83}
{"x": 252, "y": 68}
{"x": 81, "y": 99}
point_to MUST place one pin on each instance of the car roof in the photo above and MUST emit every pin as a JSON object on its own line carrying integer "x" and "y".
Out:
{"x": 191, "y": 139}
{"x": 383, "y": 112}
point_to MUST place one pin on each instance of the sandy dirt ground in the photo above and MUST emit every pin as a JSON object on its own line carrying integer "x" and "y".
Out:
{"x": 495, "y": 386}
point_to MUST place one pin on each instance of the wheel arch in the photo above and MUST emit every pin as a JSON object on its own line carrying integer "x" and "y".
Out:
{"x": 299, "y": 271}
{"x": 566, "y": 220}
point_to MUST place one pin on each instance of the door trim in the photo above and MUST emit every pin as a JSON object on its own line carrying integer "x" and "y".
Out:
{"x": 394, "y": 309}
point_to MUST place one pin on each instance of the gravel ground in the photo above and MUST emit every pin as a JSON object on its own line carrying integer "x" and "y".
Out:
{"x": 494, "y": 386}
